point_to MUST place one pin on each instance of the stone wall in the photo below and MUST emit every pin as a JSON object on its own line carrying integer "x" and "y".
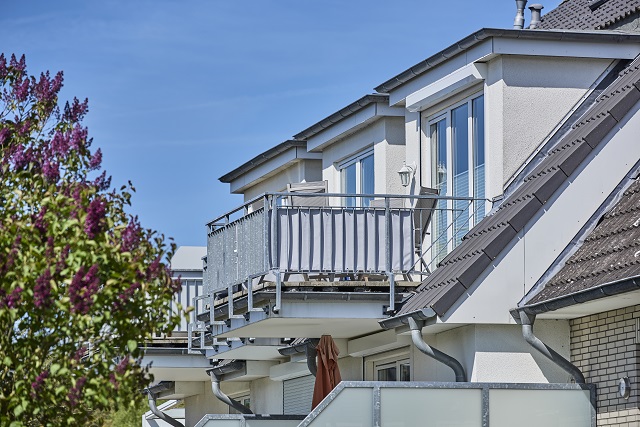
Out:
{"x": 605, "y": 347}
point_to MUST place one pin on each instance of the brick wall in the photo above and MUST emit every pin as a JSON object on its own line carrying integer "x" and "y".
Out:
{"x": 605, "y": 349}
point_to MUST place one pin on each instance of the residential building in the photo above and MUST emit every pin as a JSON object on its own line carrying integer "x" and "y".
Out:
{"x": 517, "y": 204}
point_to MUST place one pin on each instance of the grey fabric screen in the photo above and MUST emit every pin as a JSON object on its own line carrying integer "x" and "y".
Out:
{"x": 342, "y": 240}
{"x": 297, "y": 395}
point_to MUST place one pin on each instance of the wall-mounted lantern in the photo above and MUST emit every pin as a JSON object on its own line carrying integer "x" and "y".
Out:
{"x": 406, "y": 174}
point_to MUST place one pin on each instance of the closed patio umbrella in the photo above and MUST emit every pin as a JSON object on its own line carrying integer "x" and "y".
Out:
{"x": 328, "y": 374}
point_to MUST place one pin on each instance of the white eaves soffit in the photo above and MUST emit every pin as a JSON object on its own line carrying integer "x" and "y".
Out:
{"x": 351, "y": 124}
{"x": 452, "y": 84}
{"x": 469, "y": 66}
{"x": 271, "y": 167}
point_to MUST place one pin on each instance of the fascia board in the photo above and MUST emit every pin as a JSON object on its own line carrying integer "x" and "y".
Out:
{"x": 496, "y": 45}
{"x": 270, "y": 167}
{"x": 561, "y": 48}
{"x": 351, "y": 125}
{"x": 481, "y": 51}
{"x": 453, "y": 83}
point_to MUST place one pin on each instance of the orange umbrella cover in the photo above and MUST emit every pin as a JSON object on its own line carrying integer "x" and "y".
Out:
{"x": 328, "y": 374}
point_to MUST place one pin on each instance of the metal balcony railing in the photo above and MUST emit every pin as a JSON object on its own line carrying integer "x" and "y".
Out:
{"x": 338, "y": 236}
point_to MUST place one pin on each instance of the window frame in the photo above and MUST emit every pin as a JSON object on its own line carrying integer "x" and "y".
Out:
{"x": 357, "y": 161}
{"x": 376, "y": 362}
{"x": 430, "y": 118}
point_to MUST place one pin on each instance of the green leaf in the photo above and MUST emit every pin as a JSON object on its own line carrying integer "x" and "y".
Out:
{"x": 55, "y": 367}
{"x": 19, "y": 409}
{"x": 132, "y": 345}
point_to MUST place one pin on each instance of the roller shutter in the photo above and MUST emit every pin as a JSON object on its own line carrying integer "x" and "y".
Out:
{"x": 298, "y": 393}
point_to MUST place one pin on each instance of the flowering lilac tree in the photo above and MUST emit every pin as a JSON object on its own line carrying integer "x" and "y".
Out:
{"x": 81, "y": 282}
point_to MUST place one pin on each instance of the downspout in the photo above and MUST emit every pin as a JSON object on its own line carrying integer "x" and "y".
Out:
{"x": 527, "y": 332}
{"x": 155, "y": 411}
{"x": 418, "y": 341}
{"x": 312, "y": 363}
{"x": 215, "y": 387}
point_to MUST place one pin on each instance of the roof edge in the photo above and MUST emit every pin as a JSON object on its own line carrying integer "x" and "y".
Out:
{"x": 262, "y": 158}
{"x": 341, "y": 114}
{"x": 419, "y": 315}
{"x": 485, "y": 33}
{"x": 591, "y": 294}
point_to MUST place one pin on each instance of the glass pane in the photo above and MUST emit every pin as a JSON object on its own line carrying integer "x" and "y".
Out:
{"x": 352, "y": 407}
{"x": 405, "y": 371}
{"x": 387, "y": 374}
{"x": 438, "y": 133}
{"x": 367, "y": 180}
{"x": 410, "y": 407}
{"x": 478, "y": 156}
{"x": 349, "y": 184}
{"x": 566, "y": 408}
{"x": 460, "y": 148}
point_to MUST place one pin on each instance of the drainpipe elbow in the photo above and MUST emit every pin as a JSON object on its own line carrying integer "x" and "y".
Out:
{"x": 155, "y": 411}
{"x": 217, "y": 392}
{"x": 418, "y": 341}
{"x": 527, "y": 321}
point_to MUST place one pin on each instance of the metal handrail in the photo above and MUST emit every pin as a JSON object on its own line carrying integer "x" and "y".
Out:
{"x": 338, "y": 195}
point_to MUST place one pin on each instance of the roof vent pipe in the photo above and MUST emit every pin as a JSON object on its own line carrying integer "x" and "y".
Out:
{"x": 416, "y": 336}
{"x": 536, "y": 15}
{"x": 518, "y": 24}
{"x": 527, "y": 332}
{"x": 155, "y": 411}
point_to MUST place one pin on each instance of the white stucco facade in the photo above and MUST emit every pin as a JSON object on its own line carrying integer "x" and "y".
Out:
{"x": 530, "y": 88}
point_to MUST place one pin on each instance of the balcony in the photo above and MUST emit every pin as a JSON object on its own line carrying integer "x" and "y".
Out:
{"x": 285, "y": 255}
{"x": 405, "y": 404}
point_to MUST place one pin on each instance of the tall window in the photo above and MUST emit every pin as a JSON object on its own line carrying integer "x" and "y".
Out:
{"x": 456, "y": 138}
{"x": 357, "y": 177}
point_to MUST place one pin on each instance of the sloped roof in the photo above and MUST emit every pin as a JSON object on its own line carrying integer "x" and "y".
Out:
{"x": 588, "y": 14}
{"x": 609, "y": 254}
{"x": 485, "y": 242}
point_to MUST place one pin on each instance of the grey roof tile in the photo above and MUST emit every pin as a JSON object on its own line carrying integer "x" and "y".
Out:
{"x": 577, "y": 15}
{"x": 485, "y": 242}
{"x": 610, "y": 252}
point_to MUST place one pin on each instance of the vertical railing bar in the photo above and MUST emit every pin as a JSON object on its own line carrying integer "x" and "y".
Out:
{"x": 230, "y": 300}
{"x": 265, "y": 231}
{"x": 189, "y": 338}
{"x": 250, "y": 294}
{"x": 377, "y": 406}
{"x": 276, "y": 308}
{"x": 485, "y": 405}
{"x": 392, "y": 285}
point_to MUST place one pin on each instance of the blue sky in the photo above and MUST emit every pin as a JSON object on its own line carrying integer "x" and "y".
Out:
{"x": 181, "y": 92}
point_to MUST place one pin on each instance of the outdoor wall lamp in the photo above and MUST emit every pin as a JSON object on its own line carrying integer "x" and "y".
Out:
{"x": 406, "y": 173}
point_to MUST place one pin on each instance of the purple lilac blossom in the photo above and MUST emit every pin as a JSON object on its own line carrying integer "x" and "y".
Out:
{"x": 95, "y": 215}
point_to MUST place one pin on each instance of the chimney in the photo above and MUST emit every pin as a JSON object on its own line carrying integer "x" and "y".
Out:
{"x": 518, "y": 24}
{"x": 536, "y": 12}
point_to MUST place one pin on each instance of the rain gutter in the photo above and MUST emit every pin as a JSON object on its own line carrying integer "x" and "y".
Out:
{"x": 486, "y": 33}
{"x": 308, "y": 348}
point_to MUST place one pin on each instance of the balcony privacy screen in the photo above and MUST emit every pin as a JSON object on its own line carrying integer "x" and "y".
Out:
{"x": 341, "y": 240}
{"x": 309, "y": 239}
